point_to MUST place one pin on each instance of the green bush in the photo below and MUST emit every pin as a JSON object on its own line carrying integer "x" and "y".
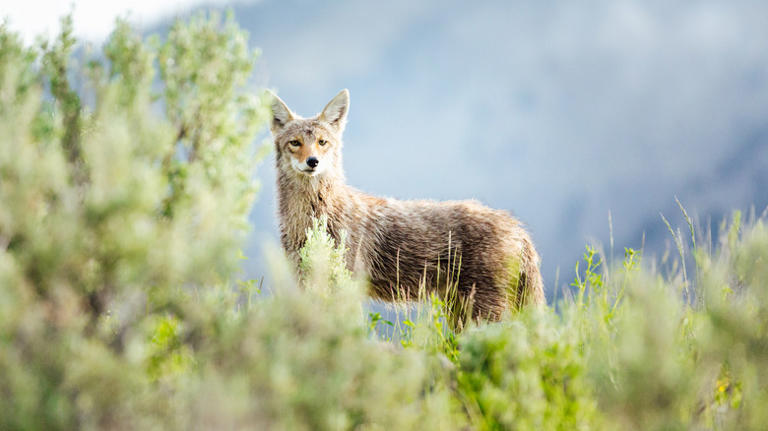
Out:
{"x": 118, "y": 199}
{"x": 123, "y": 205}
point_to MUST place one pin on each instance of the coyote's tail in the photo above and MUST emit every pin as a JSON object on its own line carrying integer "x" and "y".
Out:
{"x": 529, "y": 289}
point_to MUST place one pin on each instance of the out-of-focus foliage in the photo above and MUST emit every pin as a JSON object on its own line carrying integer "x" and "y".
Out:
{"x": 123, "y": 200}
{"x": 121, "y": 192}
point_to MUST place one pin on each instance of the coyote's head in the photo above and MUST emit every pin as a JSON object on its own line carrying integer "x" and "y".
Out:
{"x": 309, "y": 146}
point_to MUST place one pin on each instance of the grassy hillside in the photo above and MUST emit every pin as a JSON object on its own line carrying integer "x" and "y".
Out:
{"x": 125, "y": 182}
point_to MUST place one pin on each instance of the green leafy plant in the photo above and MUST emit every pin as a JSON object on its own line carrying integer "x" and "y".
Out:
{"x": 125, "y": 183}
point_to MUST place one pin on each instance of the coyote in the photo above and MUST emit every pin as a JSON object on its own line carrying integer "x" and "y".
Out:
{"x": 399, "y": 246}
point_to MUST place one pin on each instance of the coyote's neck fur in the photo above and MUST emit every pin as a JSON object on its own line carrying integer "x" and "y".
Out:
{"x": 302, "y": 198}
{"x": 401, "y": 246}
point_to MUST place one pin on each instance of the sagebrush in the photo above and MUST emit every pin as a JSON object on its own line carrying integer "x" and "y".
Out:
{"x": 125, "y": 184}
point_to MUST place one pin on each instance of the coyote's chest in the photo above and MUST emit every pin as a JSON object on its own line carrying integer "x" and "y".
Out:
{"x": 299, "y": 209}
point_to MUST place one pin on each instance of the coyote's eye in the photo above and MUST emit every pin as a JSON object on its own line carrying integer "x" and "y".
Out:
{"x": 294, "y": 143}
{"x": 322, "y": 142}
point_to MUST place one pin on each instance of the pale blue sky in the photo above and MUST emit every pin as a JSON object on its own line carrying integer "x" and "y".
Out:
{"x": 556, "y": 111}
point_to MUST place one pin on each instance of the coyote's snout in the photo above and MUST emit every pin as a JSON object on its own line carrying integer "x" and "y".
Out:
{"x": 401, "y": 246}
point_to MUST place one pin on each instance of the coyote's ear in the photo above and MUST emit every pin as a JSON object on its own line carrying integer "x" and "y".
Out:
{"x": 281, "y": 115}
{"x": 335, "y": 112}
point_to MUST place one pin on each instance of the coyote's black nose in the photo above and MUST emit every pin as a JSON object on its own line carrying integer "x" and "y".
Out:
{"x": 312, "y": 162}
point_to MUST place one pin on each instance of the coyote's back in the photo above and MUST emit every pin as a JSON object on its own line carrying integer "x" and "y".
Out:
{"x": 482, "y": 259}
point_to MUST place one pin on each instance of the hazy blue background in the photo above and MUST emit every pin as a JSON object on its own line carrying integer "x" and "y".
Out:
{"x": 558, "y": 112}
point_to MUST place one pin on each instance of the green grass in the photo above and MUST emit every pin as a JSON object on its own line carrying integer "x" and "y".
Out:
{"x": 121, "y": 222}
